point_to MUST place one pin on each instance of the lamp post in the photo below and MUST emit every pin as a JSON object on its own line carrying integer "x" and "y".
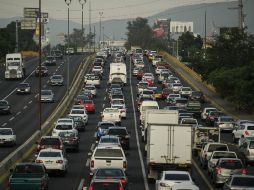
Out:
{"x": 82, "y": 2}
{"x": 100, "y": 13}
{"x": 40, "y": 115}
{"x": 68, "y": 2}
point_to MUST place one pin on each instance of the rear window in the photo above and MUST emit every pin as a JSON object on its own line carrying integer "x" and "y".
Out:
{"x": 50, "y": 141}
{"x": 49, "y": 154}
{"x": 243, "y": 181}
{"x": 29, "y": 169}
{"x": 109, "y": 172}
{"x": 231, "y": 164}
{"x": 216, "y": 147}
{"x": 109, "y": 140}
{"x": 117, "y": 132}
{"x": 108, "y": 153}
{"x": 106, "y": 186}
{"x": 218, "y": 155}
{"x": 250, "y": 127}
{"x": 181, "y": 177}
{"x": 64, "y": 127}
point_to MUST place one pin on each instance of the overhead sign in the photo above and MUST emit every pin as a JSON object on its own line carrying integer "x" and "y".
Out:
{"x": 28, "y": 24}
{"x": 31, "y": 12}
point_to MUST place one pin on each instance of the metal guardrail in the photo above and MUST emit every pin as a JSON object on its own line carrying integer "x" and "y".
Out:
{"x": 23, "y": 151}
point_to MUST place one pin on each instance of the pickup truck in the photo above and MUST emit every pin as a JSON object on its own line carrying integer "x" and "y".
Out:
{"x": 194, "y": 107}
{"x": 28, "y": 176}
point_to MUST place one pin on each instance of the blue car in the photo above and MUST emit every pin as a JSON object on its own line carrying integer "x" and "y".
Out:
{"x": 102, "y": 128}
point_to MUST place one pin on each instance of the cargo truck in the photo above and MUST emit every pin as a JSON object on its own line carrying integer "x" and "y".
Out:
{"x": 14, "y": 66}
{"x": 118, "y": 70}
{"x": 169, "y": 147}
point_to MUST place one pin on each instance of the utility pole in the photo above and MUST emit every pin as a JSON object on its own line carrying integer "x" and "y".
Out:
{"x": 90, "y": 30}
{"x": 240, "y": 14}
{"x": 82, "y": 2}
{"x": 100, "y": 13}
{"x": 17, "y": 37}
{"x": 103, "y": 35}
{"x": 94, "y": 38}
{"x": 40, "y": 110}
{"x": 205, "y": 37}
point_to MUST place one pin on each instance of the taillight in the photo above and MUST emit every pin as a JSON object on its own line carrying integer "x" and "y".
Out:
{"x": 244, "y": 171}
{"x": 123, "y": 181}
{"x": 247, "y": 133}
{"x": 38, "y": 161}
{"x": 120, "y": 187}
{"x": 59, "y": 161}
{"x": 218, "y": 170}
{"x": 91, "y": 187}
{"x": 125, "y": 164}
{"x": 61, "y": 147}
{"x": 92, "y": 163}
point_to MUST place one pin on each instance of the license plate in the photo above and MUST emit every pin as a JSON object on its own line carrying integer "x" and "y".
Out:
{"x": 48, "y": 162}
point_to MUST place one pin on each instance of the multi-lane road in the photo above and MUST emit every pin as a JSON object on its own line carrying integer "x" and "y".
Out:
{"x": 24, "y": 121}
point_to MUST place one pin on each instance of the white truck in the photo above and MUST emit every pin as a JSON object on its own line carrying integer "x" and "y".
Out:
{"x": 14, "y": 66}
{"x": 118, "y": 70}
{"x": 169, "y": 147}
{"x": 159, "y": 116}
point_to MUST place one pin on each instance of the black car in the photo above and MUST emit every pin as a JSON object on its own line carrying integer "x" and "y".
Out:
{"x": 44, "y": 71}
{"x": 70, "y": 140}
{"x": 23, "y": 88}
{"x": 123, "y": 135}
{"x": 106, "y": 184}
{"x": 5, "y": 107}
{"x": 197, "y": 95}
{"x": 50, "y": 60}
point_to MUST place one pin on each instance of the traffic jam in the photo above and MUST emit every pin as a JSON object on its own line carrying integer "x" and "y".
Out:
{"x": 174, "y": 123}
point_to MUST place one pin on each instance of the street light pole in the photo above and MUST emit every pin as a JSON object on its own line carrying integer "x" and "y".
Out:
{"x": 68, "y": 2}
{"x": 100, "y": 13}
{"x": 82, "y": 2}
{"x": 17, "y": 37}
{"x": 40, "y": 118}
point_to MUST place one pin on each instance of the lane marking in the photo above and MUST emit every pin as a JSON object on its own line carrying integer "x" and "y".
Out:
{"x": 89, "y": 154}
{"x": 137, "y": 137}
{"x": 30, "y": 102}
{"x": 81, "y": 184}
{"x": 95, "y": 135}
{"x": 92, "y": 147}
{"x": 24, "y": 107}
{"x": 18, "y": 113}
{"x": 104, "y": 98}
{"x": 11, "y": 118}
{"x": 87, "y": 162}
{"x": 103, "y": 105}
{"x": 36, "y": 95}
{"x": 44, "y": 86}
{"x": 4, "y": 124}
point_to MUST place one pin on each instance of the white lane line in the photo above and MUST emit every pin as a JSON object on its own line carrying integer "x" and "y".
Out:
{"x": 18, "y": 113}
{"x": 92, "y": 147}
{"x": 81, "y": 184}
{"x": 89, "y": 154}
{"x": 106, "y": 90}
{"x": 137, "y": 137}
{"x": 4, "y": 124}
{"x": 103, "y": 105}
{"x": 87, "y": 162}
{"x": 36, "y": 95}
{"x": 24, "y": 107}
{"x": 56, "y": 70}
{"x": 30, "y": 102}
{"x": 202, "y": 175}
{"x": 105, "y": 98}
{"x": 44, "y": 86}
{"x": 95, "y": 135}
{"x": 11, "y": 118}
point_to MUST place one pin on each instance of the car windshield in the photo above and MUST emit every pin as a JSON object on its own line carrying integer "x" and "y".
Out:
{"x": 251, "y": 127}
{"x": 117, "y": 132}
{"x": 56, "y": 77}
{"x": 216, "y": 147}
{"x": 64, "y": 127}
{"x": 106, "y": 125}
{"x": 117, "y": 102}
{"x": 50, "y": 141}
{"x": 109, "y": 140}
{"x": 23, "y": 85}
{"x": 5, "y": 132}
{"x": 29, "y": 169}
{"x": 231, "y": 164}
{"x": 144, "y": 108}
{"x": 181, "y": 101}
{"x": 108, "y": 153}
{"x": 111, "y": 110}
{"x": 177, "y": 177}
{"x": 79, "y": 111}
{"x": 218, "y": 155}
{"x": 46, "y": 92}
{"x": 66, "y": 134}
{"x": 251, "y": 145}
{"x": 243, "y": 181}
{"x": 109, "y": 173}
{"x": 227, "y": 119}
{"x": 189, "y": 121}
{"x": 49, "y": 154}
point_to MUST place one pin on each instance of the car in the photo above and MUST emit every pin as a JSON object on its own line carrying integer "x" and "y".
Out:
{"x": 224, "y": 168}
{"x": 97, "y": 73}
{"x": 244, "y": 139}
{"x": 181, "y": 102}
{"x": 185, "y": 186}
{"x": 205, "y": 112}
{"x": 189, "y": 121}
{"x": 102, "y": 128}
{"x": 185, "y": 115}
{"x": 171, "y": 97}
{"x": 135, "y": 71}
{"x": 244, "y": 130}
{"x": 53, "y": 160}
{"x": 112, "y": 114}
{"x": 43, "y": 72}
{"x": 5, "y": 107}
{"x": 119, "y": 104}
{"x": 247, "y": 152}
{"x": 109, "y": 140}
{"x": 117, "y": 80}
{"x": 111, "y": 173}
{"x": 56, "y": 80}
{"x": 207, "y": 150}
{"x": 92, "y": 89}
{"x": 165, "y": 92}
{"x": 123, "y": 135}
{"x": 7, "y": 137}
{"x": 116, "y": 96}
{"x": 225, "y": 123}
{"x": 90, "y": 106}
{"x": 86, "y": 93}
{"x": 215, "y": 156}
{"x": 213, "y": 116}
{"x": 169, "y": 178}
{"x": 47, "y": 96}
{"x": 70, "y": 140}
{"x": 57, "y": 54}
{"x": 78, "y": 106}
{"x": 147, "y": 76}
{"x": 239, "y": 182}
{"x": 107, "y": 156}
{"x": 79, "y": 112}
{"x": 79, "y": 123}
{"x": 176, "y": 87}
{"x": 141, "y": 86}
{"x": 80, "y": 99}
{"x": 64, "y": 126}
{"x": 23, "y": 88}
{"x": 93, "y": 80}
{"x": 97, "y": 68}
{"x": 49, "y": 142}
{"x": 158, "y": 69}
{"x": 140, "y": 74}
{"x": 197, "y": 95}
{"x": 185, "y": 91}
{"x": 147, "y": 93}
{"x": 106, "y": 184}
{"x": 50, "y": 60}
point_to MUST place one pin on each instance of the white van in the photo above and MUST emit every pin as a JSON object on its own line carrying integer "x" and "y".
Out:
{"x": 146, "y": 105}
{"x": 118, "y": 70}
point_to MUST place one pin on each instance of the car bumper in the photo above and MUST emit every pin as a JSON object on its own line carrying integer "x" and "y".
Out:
{"x": 219, "y": 179}
{"x": 54, "y": 167}
{"x": 7, "y": 143}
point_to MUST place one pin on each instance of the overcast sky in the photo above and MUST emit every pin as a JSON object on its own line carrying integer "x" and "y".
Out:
{"x": 112, "y": 9}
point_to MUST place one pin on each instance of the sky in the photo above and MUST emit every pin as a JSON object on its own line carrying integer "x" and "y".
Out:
{"x": 109, "y": 9}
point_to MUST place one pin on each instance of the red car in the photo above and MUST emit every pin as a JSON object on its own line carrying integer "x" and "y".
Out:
{"x": 150, "y": 82}
{"x": 165, "y": 93}
{"x": 90, "y": 106}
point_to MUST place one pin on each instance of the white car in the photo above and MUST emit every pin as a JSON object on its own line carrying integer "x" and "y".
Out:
{"x": 173, "y": 96}
{"x": 119, "y": 104}
{"x": 65, "y": 124}
{"x": 93, "y": 80}
{"x": 243, "y": 130}
{"x": 7, "y": 137}
{"x": 225, "y": 123}
{"x": 169, "y": 178}
{"x": 97, "y": 68}
{"x": 53, "y": 160}
{"x": 79, "y": 107}
{"x": 185, "y": 185}
{"x": 185, "y": 91}
{"x": 109, "y": 140}
{"x": 92, "y": 89}
{"x": 205, "y": 112}
{"x": 147, "y": 76}
{"x": 146, "y": 93}
{"x": 159, "y": 69}
{"x": 108, "y": 156}
{"x": 111, "y": 114}
{"x": 79, "y": 113}
{"x": 176, "y": 87}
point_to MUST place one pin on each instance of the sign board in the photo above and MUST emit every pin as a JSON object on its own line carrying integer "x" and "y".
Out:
{"x": 28, "y": 24}
{"x": 31, "y": 12}
{"x": 44, "y": 18}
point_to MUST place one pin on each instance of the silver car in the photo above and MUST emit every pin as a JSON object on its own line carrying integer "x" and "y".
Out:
{"x": 47, "y": 96}
{"x": 23, "y": 88}
{"x": 56, "y": 80}
{"x": 7, "y": 137}
{"x": 239, "y": 182}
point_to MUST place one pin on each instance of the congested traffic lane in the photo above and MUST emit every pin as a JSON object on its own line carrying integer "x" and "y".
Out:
{"x": 24, "y": 117}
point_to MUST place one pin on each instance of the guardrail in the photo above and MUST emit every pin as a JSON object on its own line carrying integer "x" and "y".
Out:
{"x": 26, "y": 149}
